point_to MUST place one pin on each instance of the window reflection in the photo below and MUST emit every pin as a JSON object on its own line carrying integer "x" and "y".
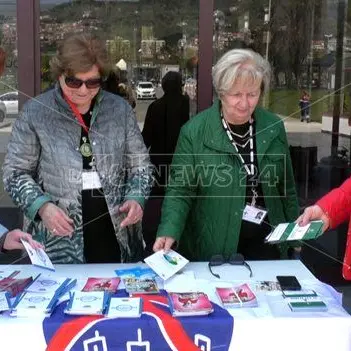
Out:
{"x": 144, "y": 39}
{"x": 8, "y": 41}
{"x": 299, "y": 40}
{"x": 8, "y": 80}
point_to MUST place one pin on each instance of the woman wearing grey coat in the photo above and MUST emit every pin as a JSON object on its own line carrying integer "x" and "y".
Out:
{"x": 76, "y": 163}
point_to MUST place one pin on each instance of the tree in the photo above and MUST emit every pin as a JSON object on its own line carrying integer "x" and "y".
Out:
{"x": 291, "y": 29}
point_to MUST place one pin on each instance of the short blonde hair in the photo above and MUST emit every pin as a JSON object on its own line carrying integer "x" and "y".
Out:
{"x": 77, "y": 53}
{"x": 240, "y": 63}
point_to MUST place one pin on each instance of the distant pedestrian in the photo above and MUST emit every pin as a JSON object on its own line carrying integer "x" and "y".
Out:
{"x": 117, "y": 83}
{"x": 304, "y": 104}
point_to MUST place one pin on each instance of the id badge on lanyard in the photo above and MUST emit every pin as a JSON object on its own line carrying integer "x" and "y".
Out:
{"x": 253, "y": 213}
{"x": 90, "y": 178}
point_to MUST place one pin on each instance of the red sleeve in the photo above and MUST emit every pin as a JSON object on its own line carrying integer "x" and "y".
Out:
{"x": 337, "y": 204}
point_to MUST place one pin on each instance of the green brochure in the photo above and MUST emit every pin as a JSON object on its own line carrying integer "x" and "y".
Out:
{"x": 293, "y": 231}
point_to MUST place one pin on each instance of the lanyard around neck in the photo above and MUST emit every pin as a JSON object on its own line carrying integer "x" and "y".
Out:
{"x": 76, "y": 113}
{"x": 249, "y": 170}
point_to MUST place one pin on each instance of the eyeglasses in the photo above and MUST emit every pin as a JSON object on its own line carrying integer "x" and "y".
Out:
{"x": 235, "y": 259}
{"x": 76, "y": 83}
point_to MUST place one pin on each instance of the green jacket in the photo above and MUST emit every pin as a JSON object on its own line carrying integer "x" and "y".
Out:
{"x": 205, "y": 197}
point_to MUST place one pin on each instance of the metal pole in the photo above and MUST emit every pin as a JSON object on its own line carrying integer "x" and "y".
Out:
{"x": 338, "y": 76}
{"x": 268, "y": 29}
{"x": 311, "y": 54}
{"x": 268, "y": 38}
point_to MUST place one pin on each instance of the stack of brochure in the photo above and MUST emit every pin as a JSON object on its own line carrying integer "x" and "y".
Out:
{"x": 5, "y": 302}
{"x": 189, "y": 304}
{"x": 238, "y": 296}
{"x": 307, "y": 304}
{"x": 14, "y": 286}
{"x": 124, "y": 307}
{"x": 136, "y": 272}
{"x": 140, "y": 286}
{"x": 51, "y": 284}
{"x": 102, "y": 284}
{"x": 34, "y": 304}
{"x": 87, "y": 303}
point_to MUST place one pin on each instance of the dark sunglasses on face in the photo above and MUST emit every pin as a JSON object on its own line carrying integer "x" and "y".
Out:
{"x": 235, "y": 259}
{"x": 76, "y": 83}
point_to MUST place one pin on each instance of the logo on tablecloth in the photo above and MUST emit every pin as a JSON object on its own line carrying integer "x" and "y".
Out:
{"x": 155, "y": 330}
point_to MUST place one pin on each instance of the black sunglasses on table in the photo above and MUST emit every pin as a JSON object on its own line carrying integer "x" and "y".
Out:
{"x": 76, "y": 83}
{"x": 235, "y": 259}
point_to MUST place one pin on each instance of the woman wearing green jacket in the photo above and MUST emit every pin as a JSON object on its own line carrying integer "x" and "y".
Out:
{"x": 231, "y": 178}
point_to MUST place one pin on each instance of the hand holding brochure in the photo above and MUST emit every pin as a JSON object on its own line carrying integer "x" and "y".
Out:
{"x": 166, "y": 264}
{"x": 293, "y": 231}
{"x": 38, "y": 257}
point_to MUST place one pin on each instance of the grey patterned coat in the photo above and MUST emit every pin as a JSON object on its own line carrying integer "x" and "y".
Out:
{"x": 43, "y": 163}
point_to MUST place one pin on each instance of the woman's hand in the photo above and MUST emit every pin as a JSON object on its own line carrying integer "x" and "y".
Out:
{"x": 134, "y": 212}
{"x": 313, "y": 213}
{"x": 56, "y": 220}
{"x": 13, "y": 240}
{"x": 163, "y": 243}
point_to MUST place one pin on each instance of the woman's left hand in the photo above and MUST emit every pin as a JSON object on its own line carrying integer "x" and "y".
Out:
{"x": 134, "y": 212}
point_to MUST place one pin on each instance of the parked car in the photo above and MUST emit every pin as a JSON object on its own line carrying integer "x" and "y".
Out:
{"x": 11, "y": 102}
{"x": 2, "y": 112}
{"x": 145, "y": 90}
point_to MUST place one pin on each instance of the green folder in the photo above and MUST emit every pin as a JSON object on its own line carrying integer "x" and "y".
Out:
{"x": 292, "y": 231}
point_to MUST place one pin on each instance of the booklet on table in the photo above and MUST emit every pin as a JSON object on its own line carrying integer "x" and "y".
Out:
{"x": 189, "y": 304}
{"x": 124, "y": 307}
{"x": 237, "y": 296}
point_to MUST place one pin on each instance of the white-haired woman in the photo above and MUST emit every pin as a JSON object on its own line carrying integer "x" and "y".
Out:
{"x": 232, "y": 161}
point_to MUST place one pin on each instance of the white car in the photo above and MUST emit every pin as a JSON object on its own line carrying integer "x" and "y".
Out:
{"x": 11, "y": 102}
{"x": 2, "y": 112}
{"x": 145, "y": 90}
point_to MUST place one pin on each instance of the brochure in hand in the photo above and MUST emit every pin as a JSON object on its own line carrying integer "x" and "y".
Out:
{"x": 87, "y": 303}
{"x": 189, "y": 304}
{"x": 166, "y": 264}
{"x": 38, "y": 257}
{"x": 102, "y": 284}
{"x": 293, "y": 231}
{"x": 124, "y": 307}
{"x": 237, "y": 296}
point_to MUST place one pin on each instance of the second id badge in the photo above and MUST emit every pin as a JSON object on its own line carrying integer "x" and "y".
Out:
{"x": 91, "y": 180}
{"x": 254, "y": 214}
